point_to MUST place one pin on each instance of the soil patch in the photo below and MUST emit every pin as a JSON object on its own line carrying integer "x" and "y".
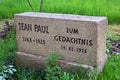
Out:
{"x": 115, "y": 45}
{"x": 114, "y": 29}
{"x": 5, "y": 27}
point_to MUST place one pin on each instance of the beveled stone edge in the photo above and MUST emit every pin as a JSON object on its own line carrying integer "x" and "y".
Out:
{"x": 61, "y": 16}
{"x": 99, "y": 69}
{"x": 35, "y": 61}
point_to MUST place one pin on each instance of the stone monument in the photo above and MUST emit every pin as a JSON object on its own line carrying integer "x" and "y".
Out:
{"x": 78, "y": 39}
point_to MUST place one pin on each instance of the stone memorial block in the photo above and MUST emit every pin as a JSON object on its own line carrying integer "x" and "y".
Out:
{"x": 78, "y": 39}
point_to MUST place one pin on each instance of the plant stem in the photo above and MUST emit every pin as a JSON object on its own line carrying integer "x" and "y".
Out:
{"x": 41, "y": 5}
{"x": 30, "y": 5}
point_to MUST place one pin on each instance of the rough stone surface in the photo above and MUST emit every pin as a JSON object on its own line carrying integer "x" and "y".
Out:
{"x": 35, "y": 61}
{"x": 76, "y": 38}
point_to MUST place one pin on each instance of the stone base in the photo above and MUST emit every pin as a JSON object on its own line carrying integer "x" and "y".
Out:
{"x": 101, "y": 66}
{"x": 35, "y": 61}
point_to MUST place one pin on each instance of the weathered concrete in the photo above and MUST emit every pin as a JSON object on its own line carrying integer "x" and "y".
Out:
{"x": 76, "y": 38}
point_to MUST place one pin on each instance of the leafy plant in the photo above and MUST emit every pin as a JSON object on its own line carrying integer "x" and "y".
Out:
{"x": 29, "y": 74}
{"x": 7, "y": 72}
{"x": 8, "y": 48}
{"x": 53, "y": 71}
{"x": 67, "y": 76}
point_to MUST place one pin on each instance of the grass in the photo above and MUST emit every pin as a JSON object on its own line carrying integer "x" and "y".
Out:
{"x": 110, "y": 8}
{"x": 114, "y": 32}
{"x": 7, "y": 49}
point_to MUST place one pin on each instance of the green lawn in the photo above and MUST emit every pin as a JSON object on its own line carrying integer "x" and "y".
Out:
{"x": 109, "y": 8}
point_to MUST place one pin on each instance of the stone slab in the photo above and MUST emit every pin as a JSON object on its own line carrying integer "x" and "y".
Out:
{"x": 34, "y": 61}
{"x": 76, "y": 38}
